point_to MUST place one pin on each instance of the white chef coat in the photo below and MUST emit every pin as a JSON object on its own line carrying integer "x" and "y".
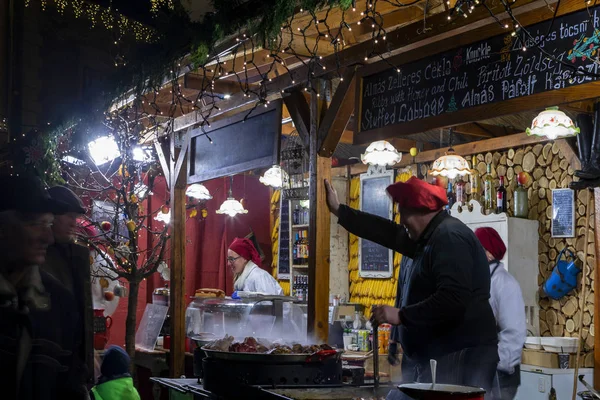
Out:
{"x": 257, "y": 280}
{"x": 509, "y": 309}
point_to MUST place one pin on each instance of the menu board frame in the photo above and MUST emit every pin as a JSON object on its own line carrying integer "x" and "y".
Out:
{"x": 475, "y": 68}
{"x": 284, "y": 271}
{"x": 387, "y": 176}
{"x": 563, "y": 217}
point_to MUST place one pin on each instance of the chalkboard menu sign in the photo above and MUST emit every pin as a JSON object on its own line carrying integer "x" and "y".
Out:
{"x": 235, "y": 144}
{"x": 283, "y": 264}
{"x": 374, "y": 260}
{"x": 485, "y": 72}
{"x": 563, "y": 213}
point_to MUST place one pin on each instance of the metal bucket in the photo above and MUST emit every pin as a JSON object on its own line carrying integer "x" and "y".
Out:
{"x": 563, "y": 278}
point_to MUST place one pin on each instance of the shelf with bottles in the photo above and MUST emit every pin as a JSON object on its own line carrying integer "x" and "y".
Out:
{"x": 300, "y": 214}
{"x": 300, "y": 286}
{"x": 489, "y": 191}
{"x": 301, "y": 226}
{"x": 300, "y": 248}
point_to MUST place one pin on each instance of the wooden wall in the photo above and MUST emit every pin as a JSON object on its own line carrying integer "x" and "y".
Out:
{"x": 549, "y": 165}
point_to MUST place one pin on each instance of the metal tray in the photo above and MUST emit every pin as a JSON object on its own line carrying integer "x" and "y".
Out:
{"x": 273, "y": 358}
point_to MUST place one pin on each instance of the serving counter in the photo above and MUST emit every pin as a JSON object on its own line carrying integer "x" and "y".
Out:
{"x": 189, "y": 389}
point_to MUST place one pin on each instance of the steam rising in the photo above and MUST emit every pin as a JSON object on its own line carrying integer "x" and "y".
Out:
{"x": 249, "y": 320}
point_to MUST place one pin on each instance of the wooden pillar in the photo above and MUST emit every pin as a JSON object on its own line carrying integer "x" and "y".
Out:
{"x": 178, "y": 182}
{"x": 319, "y": 227}
{"x": 596, "y": 290}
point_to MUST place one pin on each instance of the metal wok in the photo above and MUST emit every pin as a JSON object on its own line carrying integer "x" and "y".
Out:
{"x": 265, "y": 358}
{"x": 428, "y": 391}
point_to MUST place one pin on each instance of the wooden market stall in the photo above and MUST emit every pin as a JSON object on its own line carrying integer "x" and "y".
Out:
{"x": 471, "y": 74}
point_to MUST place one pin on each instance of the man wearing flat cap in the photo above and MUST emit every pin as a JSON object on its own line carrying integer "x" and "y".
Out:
{"x": 37, "y": 317}
{"x": 69, "y": 263}
{"x": 509, "y": 309}
{"x": 444, "y": 312}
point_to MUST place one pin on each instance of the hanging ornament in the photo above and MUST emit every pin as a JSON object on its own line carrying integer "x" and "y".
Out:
{"x": 553, "y": 124}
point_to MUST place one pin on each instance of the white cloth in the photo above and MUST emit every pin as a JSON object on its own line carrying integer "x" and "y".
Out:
{"x": 256, "y": 279}
{"x": 509, "y": 309}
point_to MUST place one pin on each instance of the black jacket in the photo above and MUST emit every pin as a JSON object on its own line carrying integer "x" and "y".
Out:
{"x": 445, "y": 292}
{"x": 43, "y": 341}
{"x": 69, "y": 263}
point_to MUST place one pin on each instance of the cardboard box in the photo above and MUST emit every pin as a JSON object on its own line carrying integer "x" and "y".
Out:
{"x": 540, "y": 358}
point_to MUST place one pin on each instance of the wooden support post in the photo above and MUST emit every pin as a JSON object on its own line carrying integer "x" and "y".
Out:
{"x": 337, "y": 116}
{"x": 300, "y": 114}
{"x": 596, "y": 290}
{"x": 178, "y": 186}
{"x": 318, "y": 233}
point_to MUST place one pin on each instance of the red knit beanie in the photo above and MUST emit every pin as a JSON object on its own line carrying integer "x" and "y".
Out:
{"x": 491, "y": 241}
{"x": 246, "y": 249}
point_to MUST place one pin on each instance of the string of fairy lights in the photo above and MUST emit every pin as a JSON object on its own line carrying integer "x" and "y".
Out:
{"x": 312, "y": 39}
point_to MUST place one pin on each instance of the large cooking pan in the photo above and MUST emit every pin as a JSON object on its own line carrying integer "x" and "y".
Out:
{"x": 273, "y": 358}
{"x": 428, "y": 391}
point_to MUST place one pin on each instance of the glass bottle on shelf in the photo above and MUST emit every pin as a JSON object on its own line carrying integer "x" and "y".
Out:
{"x": 521, "y": 202}
{"x": 296, "y": 216}
{"x": 296, "y": 248}
{"x": 357, "y": 323}
{"x": 305, "y": 246}
{"x": 501, "y": 200}
{"x": 475, "y": 180}
{"x": 450, "y": 195}
{"x": 307, "y": 250}
{"x": 488, "y": 191}
{"x": 461, "y": 197}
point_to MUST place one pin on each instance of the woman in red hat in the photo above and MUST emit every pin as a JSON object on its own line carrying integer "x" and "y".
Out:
{"x": 244, "y": 260}
{"x": 444, "y": 311}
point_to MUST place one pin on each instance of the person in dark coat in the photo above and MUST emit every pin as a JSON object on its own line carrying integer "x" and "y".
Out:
{"x": 37, "y": 321}
{"x": 444, "y": 312}
{"x": 69, "y": 263}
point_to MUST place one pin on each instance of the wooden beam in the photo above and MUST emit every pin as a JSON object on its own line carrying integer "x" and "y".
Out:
{"x": 319, "y": 228}
{"x": 300, "y": 113}
{"x": 200, "y": 83}
{"x": 160, "y": 151}
{"x": 178, "y": 243}
{"x": 586, "y": 107}
{"x": 338, "y": 114}
{"x": 484, "y": 130}
{"x": 404, "y": 145}
{"x": 596, "y": 291}
{"x": 180, "y": 160}
{"x": 307, "y": 46}
{"x": 481, "y": 146}
{"x": 506, "y": 107}
{"x": 405, "y": 39}
{"x": 391, "y": 21}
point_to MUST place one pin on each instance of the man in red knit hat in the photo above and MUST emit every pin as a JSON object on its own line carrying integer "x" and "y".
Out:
{"x": 444, "y": 311}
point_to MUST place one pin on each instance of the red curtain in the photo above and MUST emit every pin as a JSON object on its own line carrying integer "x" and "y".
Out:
{"x": 207, "y": 239}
